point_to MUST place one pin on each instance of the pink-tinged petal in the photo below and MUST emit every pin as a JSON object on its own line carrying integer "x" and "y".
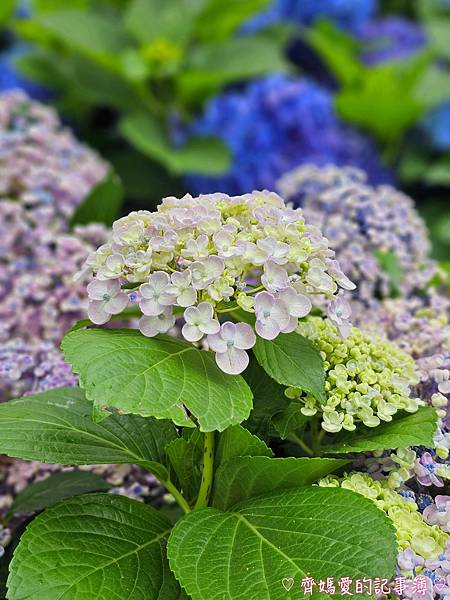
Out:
{"x": 97, "y": 289}
{"x": 191, "y": 333}
{"x": 149, "y": 326}
{"x": 147, "y": 290}
{"x": 191, "y": 315}
{"x": 263, "y": 302}
{"x": 97, "y": 313}
{"x": 117, "y": 304}
{"x": 267, "y": 329}
{"x": 212, "y": 326}
{"x": 205, "y": 311}
{"x": 297, "y": 304}
{"x": 150, "y": 307}
{"x": 291, "y": 326}
{"x": 187, "y": 297}
{"x": 280, "y": 314}
{"x": 233, "y": 361}
{"x": 228, "y": 331}
{"x": 244, "y": 337}
{"x": 216, "y": 343}
{"x": 159, "y": 280}
{"x": 275, "y": 278}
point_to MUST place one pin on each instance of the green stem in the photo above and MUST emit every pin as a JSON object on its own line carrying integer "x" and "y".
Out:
{"x": 208, "y": 471}
{"x": 303, "y": 445}
{"x": 181, "y": 500}
{"x": 316, "y": 437}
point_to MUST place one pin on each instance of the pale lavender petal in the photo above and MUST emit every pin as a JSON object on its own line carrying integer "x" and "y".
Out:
{"x": 267, "y": 329}
{"x": 244, "y": 337}
{"x": 117, "y": 304}
{"x": 233, "y": 361}
{"x": 191, "y": 333}
{"x": 149, "y": 326}
{"x": 150, "y": 307}
{"x": 187, "y": 298}
{"x": 291, "y": 326}
{"x": 280, "y": 314}
{"x": 191, "y": 315}
{"x": 216, "y": 343}
{"x": 97, "y": 313}
{"x": 212, "y": 326}
{"x": 263, "y": 302}
{"x": 97, "y": 289}
{"x": 147, "y": 290}
{"x": 205, "y": 311}
{"x": 228, "y": 331}
{"x": 159, "y": 280}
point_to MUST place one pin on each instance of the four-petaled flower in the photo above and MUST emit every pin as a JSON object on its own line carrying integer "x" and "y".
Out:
{"x": 199, "y": 321}
{"x": 230, "y": 345}
{"x": 106, "y": 299}
{"x": 155, "y": 295}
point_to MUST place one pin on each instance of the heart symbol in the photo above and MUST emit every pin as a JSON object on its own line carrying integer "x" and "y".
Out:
{"x": 287, "y": 582}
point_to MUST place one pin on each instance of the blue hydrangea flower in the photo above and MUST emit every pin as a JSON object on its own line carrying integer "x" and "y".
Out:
{"x": 274, "y": 124}
{"x": 437, "y": 126}
{"x": 349, "y": 15}
{"x": 391, "y": 39}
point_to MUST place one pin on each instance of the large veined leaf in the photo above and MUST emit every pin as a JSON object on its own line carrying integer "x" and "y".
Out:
{"x": 404, "y": 430}
{"x": 159, "y": 377}
{"x": 248, "y": 476}
{"x": 185, "y": 455}
{"x": 268, "y": 399}
{"x": 56, "y": 427}
{"x": 238, "y": 441}
{"x": 95, "y": 546}
{"x": 251, "y": 552}
{"x": 293, "y": 360}
{"x": 54, "y": 489}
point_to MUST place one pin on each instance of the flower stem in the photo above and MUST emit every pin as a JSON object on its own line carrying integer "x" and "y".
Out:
{"x": 181, "y": 500}
{"x": 316, "y": 437}
{"x": 303, "y": 445}
{"x": 208, "y": 471}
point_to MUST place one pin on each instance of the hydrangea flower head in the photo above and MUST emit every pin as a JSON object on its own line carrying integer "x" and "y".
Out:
{"x": 347, "y": 14}
{"x": 392, "y": 38}
{"x": 368, "y": 379}
{"x": 417, "y": 540}
{"x": 273, "y": 124}
{"x": 213, "y": 254}
{"x": 361, "y": 222}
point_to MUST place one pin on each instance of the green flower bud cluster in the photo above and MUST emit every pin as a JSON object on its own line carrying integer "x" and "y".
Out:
{"x": 368, "y": 378}
{"x": 427, "y": 541}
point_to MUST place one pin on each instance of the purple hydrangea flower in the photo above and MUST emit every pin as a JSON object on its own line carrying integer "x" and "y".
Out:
{"x": 391, "y": 39}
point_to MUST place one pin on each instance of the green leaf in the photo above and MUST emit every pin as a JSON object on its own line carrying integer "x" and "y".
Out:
{"x": 290, "y": 420}
{"x": 219, "y": 20}
{"x": 314, "y": 531}
{"x": 404, "y": 430}
{"x": 248, "y": 476}
{"x": 56, "y": 427}
{"x": 238, "y": 441}
{"x": 212, "y": 66}
{"x": 103, "y": 203}
{"x": 159, "y": 377}
{"x": 150, "y": 20}
{"x": 97, "y": 37}
{"x": 268, "y": 400}
{"x": 145, "y": 132}
{"x": 6, "y": 10}
{"x": 98, "y": 545}
{"x": 293, "y": 360}
{"x": 338, "y": 49}
{"x": 437, "y": 30}
{"x": 185, "y": 455}
{"x": 54, "y": 489}
{"x": 390, "y": 264}
{"x": 392, "y": 118}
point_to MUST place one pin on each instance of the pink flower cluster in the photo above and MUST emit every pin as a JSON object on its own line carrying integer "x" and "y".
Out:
{"x": 202, "y": 258}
